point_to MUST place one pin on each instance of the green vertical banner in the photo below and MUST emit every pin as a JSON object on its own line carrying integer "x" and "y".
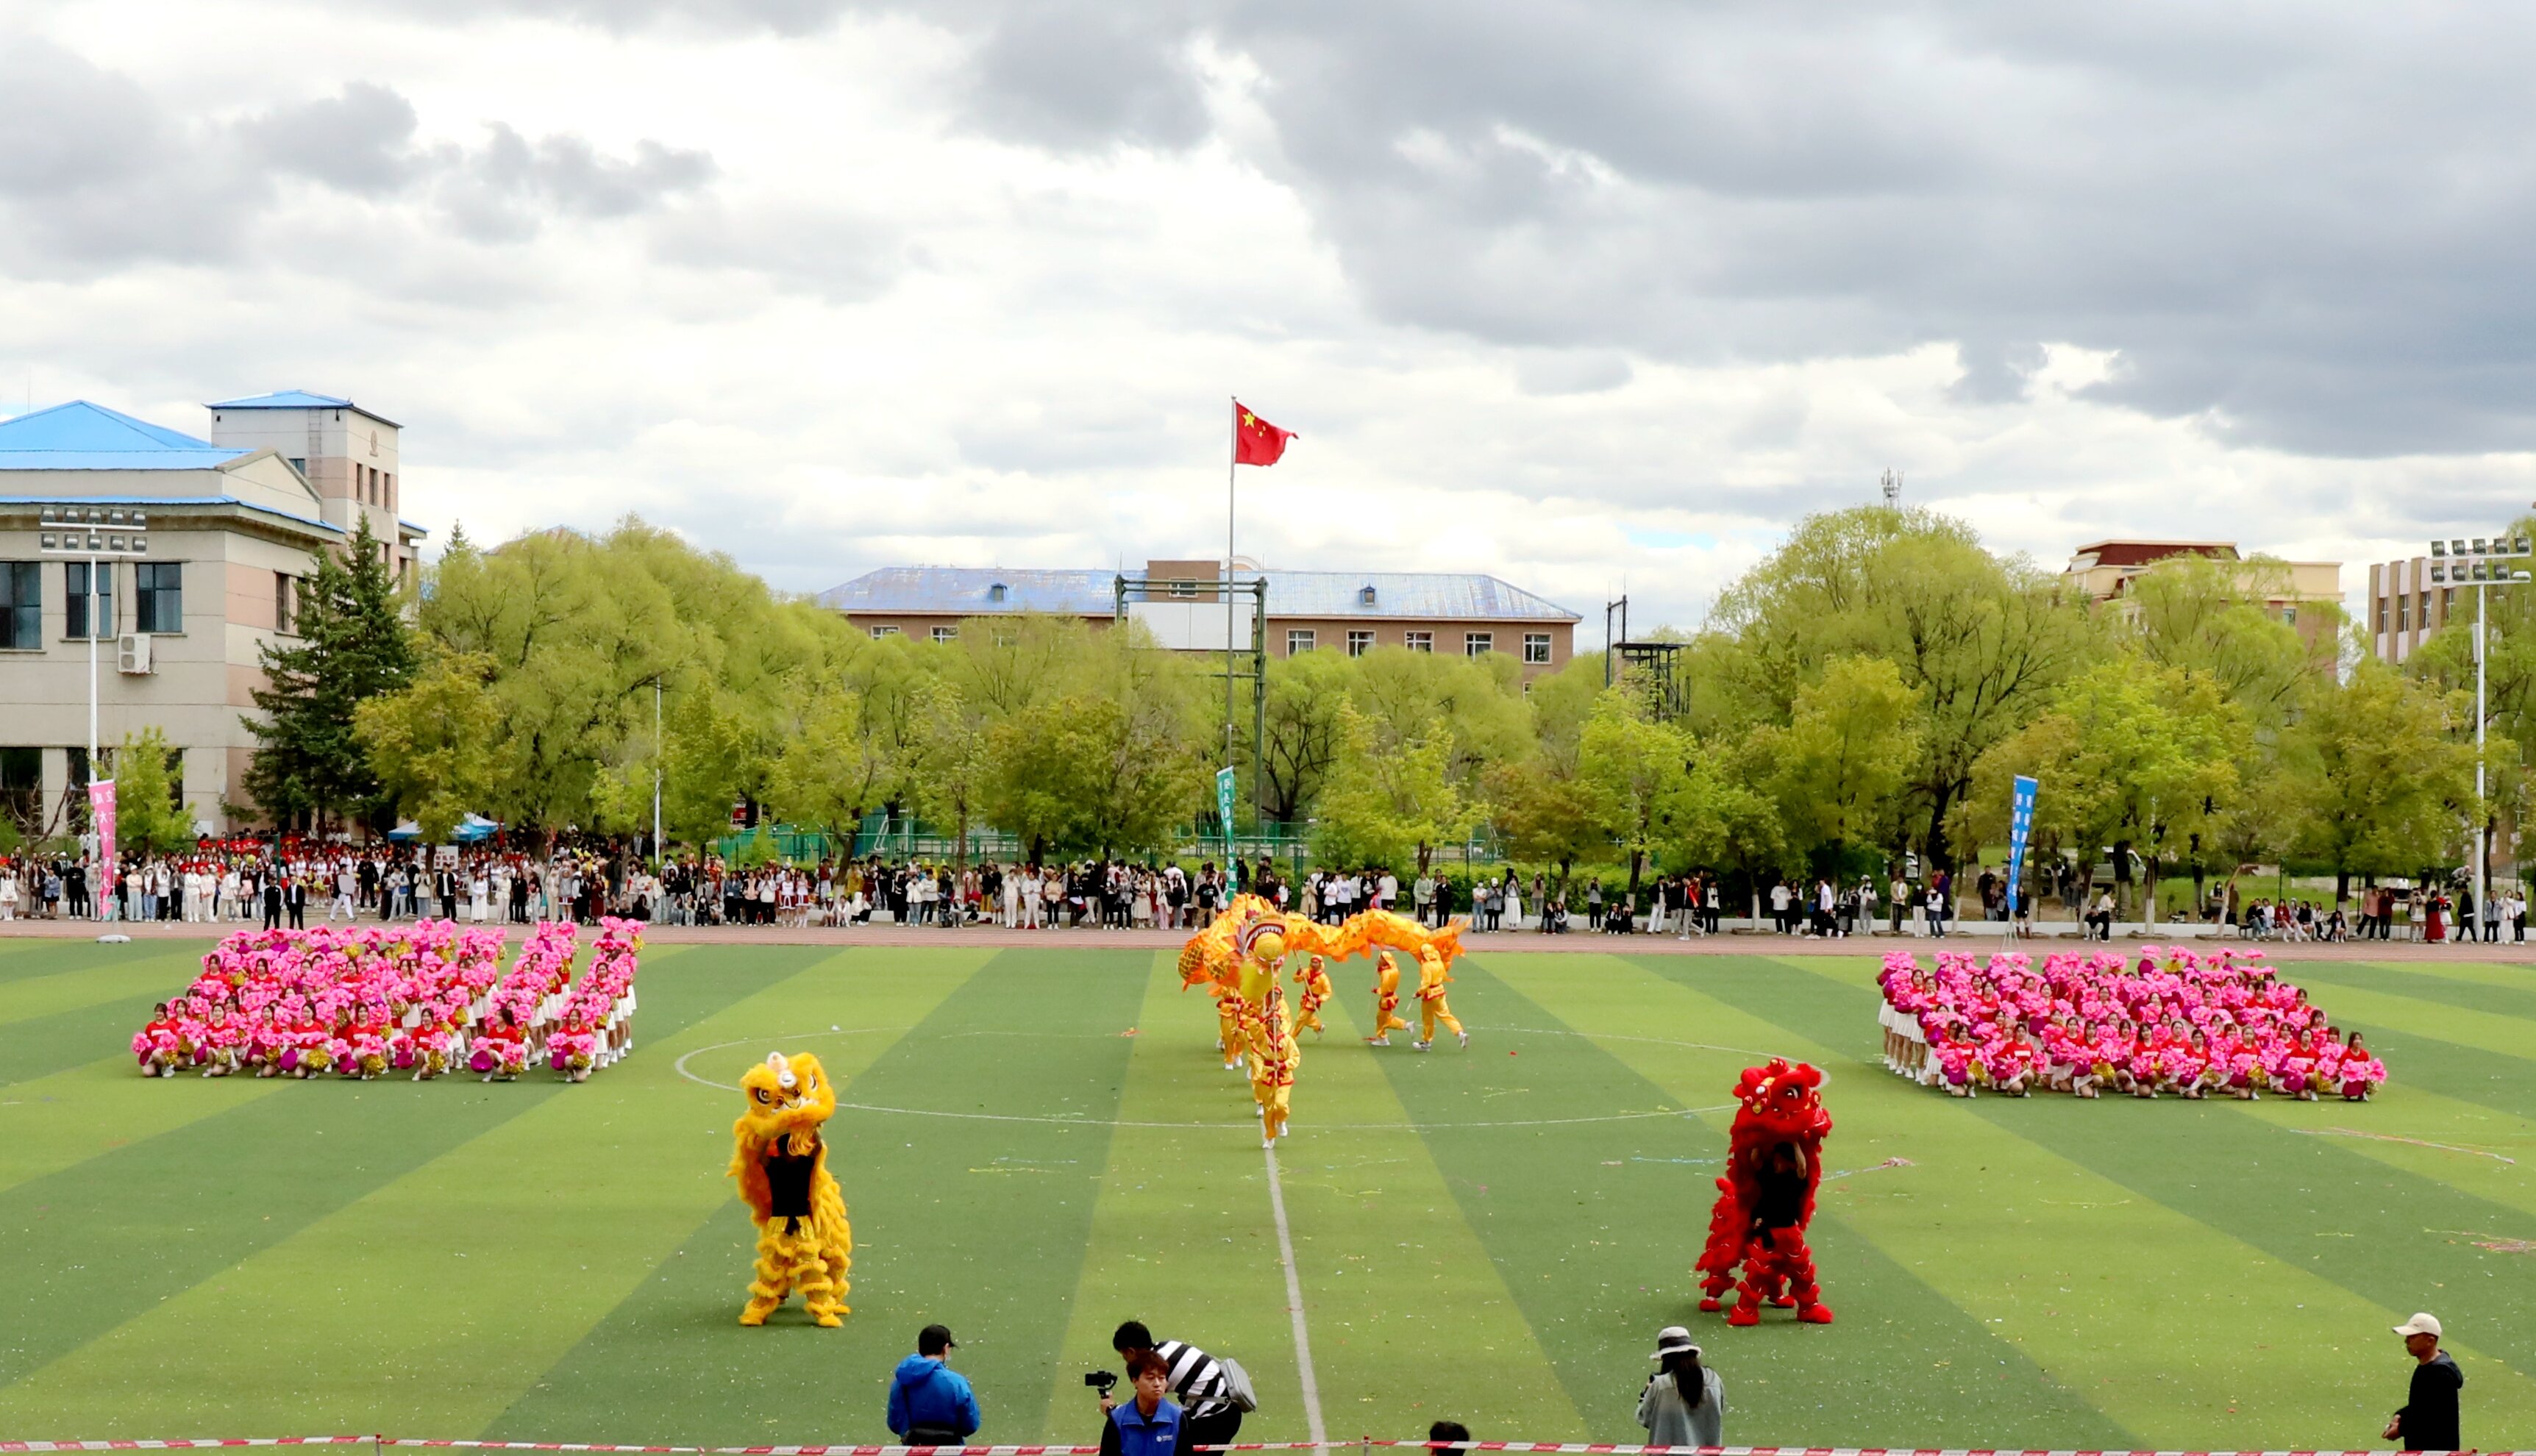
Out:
{"x": 1224, "y": 785}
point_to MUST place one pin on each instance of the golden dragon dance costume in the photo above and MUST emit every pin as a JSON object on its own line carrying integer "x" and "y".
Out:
{"x": 1386, "y": 1000}
{"x": 804, "y": 1245}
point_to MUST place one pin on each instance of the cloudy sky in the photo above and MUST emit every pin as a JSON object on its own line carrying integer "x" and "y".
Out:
{"x": 1596, "y": 298}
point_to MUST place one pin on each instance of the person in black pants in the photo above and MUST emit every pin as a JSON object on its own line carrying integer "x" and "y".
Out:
{"x": 1209, "y": 1416}
{"x": 294, "y": 899}
{"x": 271, "y": 903}
{"x": 2428, "y": 1421}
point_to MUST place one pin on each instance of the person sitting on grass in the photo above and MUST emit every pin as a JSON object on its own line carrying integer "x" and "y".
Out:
{"x": 1149, "y": 1425}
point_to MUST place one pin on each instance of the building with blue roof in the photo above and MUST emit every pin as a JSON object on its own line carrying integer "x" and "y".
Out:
{"x": 1354, "y": 612}
{"x": 230, "y": 523}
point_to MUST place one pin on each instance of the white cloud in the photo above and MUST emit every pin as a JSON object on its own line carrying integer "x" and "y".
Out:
{"x": 780, "y": 277}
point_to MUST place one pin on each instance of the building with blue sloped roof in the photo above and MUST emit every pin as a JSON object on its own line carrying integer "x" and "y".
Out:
{"x": 230, "y": 523}
{"x": 1354, "y": 612}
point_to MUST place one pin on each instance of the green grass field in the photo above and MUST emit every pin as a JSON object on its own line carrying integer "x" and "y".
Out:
{"x": 1492, "y": 1235}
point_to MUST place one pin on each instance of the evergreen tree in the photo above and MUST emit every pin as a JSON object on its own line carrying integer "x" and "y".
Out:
{"x": 353, "y": 645}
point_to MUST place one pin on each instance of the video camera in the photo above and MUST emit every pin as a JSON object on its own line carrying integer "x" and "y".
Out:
{"x": 1100, "y": 1380}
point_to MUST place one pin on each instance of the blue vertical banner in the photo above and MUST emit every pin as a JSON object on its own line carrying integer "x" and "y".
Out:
{"x": 1224, "y": 807}
{"x": 2021, "y": 824}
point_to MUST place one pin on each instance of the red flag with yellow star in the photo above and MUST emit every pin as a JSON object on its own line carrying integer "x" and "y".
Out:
{"x": 1254, "y": 440}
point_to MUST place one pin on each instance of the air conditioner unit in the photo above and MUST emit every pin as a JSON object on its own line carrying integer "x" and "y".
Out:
{"x": 132, "y": 653}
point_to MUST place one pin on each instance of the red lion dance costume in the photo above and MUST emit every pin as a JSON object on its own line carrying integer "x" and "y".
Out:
{"x": 1766, "y": 1199}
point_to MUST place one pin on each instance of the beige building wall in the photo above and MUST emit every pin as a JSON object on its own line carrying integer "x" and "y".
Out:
{"x": 1329, "y": 634}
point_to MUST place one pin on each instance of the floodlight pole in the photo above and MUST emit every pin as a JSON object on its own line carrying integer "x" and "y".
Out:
{"x": 659, "y": 860}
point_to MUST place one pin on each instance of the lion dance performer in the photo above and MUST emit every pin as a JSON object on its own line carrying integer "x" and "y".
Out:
{"x": 804, "y": 1245}
{"x": 1766, "y": 1199}
{"x": 1431, "y": 1006}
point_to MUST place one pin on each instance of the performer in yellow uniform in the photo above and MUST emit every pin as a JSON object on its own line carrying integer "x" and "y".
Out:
{"x": 1274, "y": 1056}
{"x": 1431, "y": 1007}
{"x": 1230, "y": 1013}
{"x": 1315, "y": 983}
{"x": 1386, "y": 1001}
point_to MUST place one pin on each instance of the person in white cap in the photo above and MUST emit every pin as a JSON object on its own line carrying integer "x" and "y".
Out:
{"x": 1685, "y": 1403}
{"x": 2429, "y": 1419}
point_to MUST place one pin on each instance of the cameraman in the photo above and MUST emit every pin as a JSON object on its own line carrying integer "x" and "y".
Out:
{"x": 1192, "y": 1374}
{"x": 1148, "y": 1425}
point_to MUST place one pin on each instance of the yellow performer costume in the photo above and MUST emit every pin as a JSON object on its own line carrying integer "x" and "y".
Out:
{"x": 1315, "y": 983}
{"x": 1272, "y": 1069}
{"x": 1431, "y": 1007}
{"x": 804, "y": 1245}
{"x": 1386, "y": 1001}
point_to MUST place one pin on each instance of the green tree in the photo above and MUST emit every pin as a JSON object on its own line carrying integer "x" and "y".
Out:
{"x": 149, "y": 816}
{"x": 1983, "y": 641}
{"x": 431, "y": 742}
{"x": 2213, "y": 618}
{"x": 2380, "y": 769}
{"x": 1840, "y": 763}
{"x": 825, "y": 776}
{"x": 1389, "y": 802}
{"x": 952, "y": 764}
{"x": 352, "y": 644}
{"x": 1087, "y": 775}
{"x": 1305, "y": 695}
{"x": 705, "y": 766}
{"x": 1635, "y": 771}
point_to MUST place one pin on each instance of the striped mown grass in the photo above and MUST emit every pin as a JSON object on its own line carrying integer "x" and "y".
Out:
{"x": 1038, "y": 1143}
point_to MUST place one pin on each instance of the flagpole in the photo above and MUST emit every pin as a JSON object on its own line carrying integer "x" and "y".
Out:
{"x": 1232, "y": 462}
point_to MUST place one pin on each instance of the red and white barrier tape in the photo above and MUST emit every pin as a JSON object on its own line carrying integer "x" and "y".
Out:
{"x": 1564, "y": 1448}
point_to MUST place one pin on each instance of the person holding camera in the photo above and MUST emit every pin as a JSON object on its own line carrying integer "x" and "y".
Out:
{"x": 1684, "y": 1403}
{"x": 1148, "y": 1425}
{"x": 1214, "y": 1393}
{"x": 929, "y": 1402}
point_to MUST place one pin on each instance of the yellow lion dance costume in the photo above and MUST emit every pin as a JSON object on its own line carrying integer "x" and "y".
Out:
{"x": 804, "y": 1245}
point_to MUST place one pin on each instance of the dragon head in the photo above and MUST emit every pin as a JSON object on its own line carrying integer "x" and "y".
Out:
{"x": 785, "y": 1095}
{"x": 1781, "y": 1100}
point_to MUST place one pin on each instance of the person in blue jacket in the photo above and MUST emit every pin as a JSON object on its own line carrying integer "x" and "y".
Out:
{"x": 1148, "y": 1425}
{"x": 929, "y": 1402}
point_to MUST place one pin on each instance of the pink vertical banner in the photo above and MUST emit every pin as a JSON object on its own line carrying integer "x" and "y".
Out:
{"x": 100, "y": 810}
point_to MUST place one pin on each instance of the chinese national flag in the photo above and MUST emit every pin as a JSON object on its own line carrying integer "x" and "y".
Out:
{"x": 1254, "y": 440}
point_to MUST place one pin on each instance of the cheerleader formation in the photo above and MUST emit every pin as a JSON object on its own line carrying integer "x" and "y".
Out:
{"x": 2174, "y": 1022}
{"x": 424, "y": 999}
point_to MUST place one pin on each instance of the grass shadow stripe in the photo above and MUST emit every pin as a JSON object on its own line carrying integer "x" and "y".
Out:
{"x": 940, "y": 1232}
{"x": 100, "y": 1243}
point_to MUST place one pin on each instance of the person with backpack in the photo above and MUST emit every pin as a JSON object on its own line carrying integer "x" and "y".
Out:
{"x": 1684, "y": 1403}
{"x": 929, "y": 1402}
{"x": 1214, "y": 1394}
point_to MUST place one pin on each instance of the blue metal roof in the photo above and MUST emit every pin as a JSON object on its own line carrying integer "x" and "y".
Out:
{"x": 296, "y": 398}
{"x": 81, "y": 436}
{"x": 287, "y": 399}
{"x": 969, "y": 590}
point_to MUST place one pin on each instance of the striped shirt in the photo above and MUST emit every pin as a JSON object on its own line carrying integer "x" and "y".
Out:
{"x": 1196, "y": 1378}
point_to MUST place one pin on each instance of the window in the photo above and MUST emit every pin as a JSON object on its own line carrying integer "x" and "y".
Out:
{"x": 299, "y": 463}
{"x": 1183, "y": 588}
{"x": 1476, "y": 643}
{"x": 1419, "y": 641}
{"x": 2404, "y": 613}
{"x": 882, "y": 632}
{"x": 946, "y": 634}
{"x": 2447, "y": 601}
{"x": 1535, "y": 647}
{"x": 285, "y": 603}
{"x": 159, "y": 596}
{"x": 22, "y": 607}
{"x": 1360, "y": 643}
{"x": 75, "y": 584}
{"x": 22, "y": 786}
{"x": 995, "y": 592}
{"x": 388, "y": 490}
{"x": 1299, "y": 640}
{"x": 2381, "y": 616}
{"x": 2448, "y": 605}
{"x": 2288, "y": 614}
{"x": 1364, "y": 595}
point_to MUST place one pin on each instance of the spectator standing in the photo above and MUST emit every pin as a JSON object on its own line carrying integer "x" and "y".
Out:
{"x": 1684, "y": 1403}
{"x": 1147, "y": 1425}
{"x": 929, "y": 1402}
{"x": 1208, "y": 1418}
{"x": 2428, "y": 1421}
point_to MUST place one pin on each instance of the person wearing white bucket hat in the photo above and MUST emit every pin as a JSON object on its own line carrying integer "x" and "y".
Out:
{"x": 2428, "y": 1421}
{"x": 1684, "y": 1403}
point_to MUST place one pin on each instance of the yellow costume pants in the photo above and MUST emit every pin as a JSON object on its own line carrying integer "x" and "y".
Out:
{"x": 1431, "y": 1010}
{"x": 1386, "y": 1017}
{"x": 1275, "y": 1100}
{"x": 1308, "y": 1017}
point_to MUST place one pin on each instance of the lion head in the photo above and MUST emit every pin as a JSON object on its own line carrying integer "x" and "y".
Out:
{"x": 785, "y": 1095}
{"x": 1782, "y": 1101}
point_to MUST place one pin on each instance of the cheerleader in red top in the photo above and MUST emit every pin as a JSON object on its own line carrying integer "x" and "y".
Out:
{"x": 221, "y": 1040}
{"x": 2362, "y": 1073}
{"x": 155, "y": 1044}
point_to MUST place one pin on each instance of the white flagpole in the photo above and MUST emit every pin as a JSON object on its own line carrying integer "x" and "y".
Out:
{"x": 1232, "y": 464}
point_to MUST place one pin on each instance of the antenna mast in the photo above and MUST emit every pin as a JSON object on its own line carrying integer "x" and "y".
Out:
{"x": 1893, "y": 483}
